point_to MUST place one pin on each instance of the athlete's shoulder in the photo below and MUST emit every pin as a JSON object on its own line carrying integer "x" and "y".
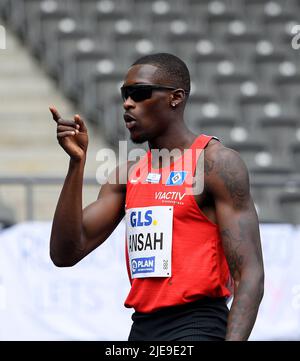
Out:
{"x": 220, "y": 160}
{"x": 226, "y": 176}
{"x": 217, "y": 151}
{"x": 212, "y": 142}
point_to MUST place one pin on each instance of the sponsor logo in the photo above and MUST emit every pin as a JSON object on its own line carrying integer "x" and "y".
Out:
{"x": 174, "y": 196}
{"x": 176, "y": 178}
{"x": 143, "y": 265}
{"x": 140, "y": 218}
{"x": 153, "y": 178}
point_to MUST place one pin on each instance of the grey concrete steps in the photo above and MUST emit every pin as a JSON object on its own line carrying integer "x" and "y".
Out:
{"x": 24, "y": 86}
{"x": 10, "y": 67}
{"x": 43, "y": 162}
{"x": 29, "y": 105}
{"x": 28, "y": 144}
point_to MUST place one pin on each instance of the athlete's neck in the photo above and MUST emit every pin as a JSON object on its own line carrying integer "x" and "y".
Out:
{"x": 178, "y": 137}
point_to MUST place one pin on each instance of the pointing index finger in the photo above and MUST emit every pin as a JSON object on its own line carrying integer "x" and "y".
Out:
{"x": 55, "y": 114}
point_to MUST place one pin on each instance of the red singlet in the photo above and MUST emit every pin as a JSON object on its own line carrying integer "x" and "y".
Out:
{"x": 198, "y": 264}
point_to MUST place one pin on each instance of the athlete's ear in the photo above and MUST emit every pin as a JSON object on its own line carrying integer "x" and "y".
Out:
{"x": 177, "y": 97}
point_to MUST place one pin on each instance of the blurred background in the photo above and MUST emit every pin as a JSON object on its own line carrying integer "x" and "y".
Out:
{"x": 243, "y": 56}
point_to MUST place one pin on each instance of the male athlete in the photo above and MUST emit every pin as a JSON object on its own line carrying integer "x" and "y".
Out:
{"x": 183, "y": 247}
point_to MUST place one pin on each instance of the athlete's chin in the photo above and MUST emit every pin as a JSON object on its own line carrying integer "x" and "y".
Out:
{"x": 138, "y": 138}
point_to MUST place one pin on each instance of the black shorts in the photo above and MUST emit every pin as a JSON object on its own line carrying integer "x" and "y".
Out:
{"x": 202, "y": 320}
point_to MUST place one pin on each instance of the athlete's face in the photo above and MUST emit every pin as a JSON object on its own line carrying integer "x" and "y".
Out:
{"x": 147, "y": 111}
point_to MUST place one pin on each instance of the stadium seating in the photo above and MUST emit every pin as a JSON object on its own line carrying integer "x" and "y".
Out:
{"x": 245, "y": 72}
{"x": 290, "y": 204}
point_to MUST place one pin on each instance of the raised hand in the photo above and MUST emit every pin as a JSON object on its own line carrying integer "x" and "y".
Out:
{"x": 71, "y": 135}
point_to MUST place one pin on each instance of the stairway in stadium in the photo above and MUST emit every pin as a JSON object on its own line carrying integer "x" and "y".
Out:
{"x": 28, "y": 144}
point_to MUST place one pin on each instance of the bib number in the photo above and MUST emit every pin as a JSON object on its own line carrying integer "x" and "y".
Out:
{"x": 149, "y": 241}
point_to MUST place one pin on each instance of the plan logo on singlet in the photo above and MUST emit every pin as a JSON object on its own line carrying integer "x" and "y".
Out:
{"x": 142, "y": 265}
{"x": 176, "y": 178}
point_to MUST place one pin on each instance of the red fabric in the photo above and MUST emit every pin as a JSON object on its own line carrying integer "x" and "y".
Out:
{"x": 199, "y": 267}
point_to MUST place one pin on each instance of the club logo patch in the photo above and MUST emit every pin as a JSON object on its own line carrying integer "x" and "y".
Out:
{"x": 176, "y": 178}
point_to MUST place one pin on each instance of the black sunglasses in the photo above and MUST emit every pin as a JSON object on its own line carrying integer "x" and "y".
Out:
{"x": 140, "y": 92}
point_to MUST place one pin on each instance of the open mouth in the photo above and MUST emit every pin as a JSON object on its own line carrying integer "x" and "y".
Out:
{"x": 130, "y": 121}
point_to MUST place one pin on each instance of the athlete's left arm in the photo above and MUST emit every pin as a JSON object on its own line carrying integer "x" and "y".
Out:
{"x": 227, "y": 179}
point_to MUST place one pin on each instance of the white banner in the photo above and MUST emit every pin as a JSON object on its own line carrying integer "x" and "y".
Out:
{"x": 39, "y": 301}
{"x": 279, "y": 313}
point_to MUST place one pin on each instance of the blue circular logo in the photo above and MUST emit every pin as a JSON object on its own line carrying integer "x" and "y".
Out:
{"x": 133, "y": 265}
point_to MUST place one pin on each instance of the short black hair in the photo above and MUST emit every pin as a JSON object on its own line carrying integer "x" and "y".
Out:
{"x": 173, "y": 69}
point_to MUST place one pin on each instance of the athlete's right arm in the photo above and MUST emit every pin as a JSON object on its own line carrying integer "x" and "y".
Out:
{"x": 76, "y": 232}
